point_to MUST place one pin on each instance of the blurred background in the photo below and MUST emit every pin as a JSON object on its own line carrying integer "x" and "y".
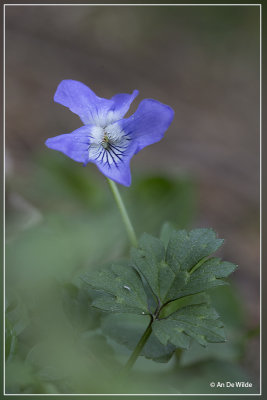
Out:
{"x": 60, "y": 217}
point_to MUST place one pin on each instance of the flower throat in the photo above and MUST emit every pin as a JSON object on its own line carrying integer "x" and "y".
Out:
{"x": 105, "y": 142}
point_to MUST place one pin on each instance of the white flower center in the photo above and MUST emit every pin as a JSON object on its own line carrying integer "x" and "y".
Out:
{"x": 108, "y": 145}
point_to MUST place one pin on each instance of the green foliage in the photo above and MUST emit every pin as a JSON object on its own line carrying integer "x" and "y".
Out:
{"x": 198, "y": 321}
{"x": 120, "y": 290}
{"x": 54, "y": 339}
{"x": 173, "y": 276}
{"x": 127, "y": 330}
{"x": 11, "y": 340}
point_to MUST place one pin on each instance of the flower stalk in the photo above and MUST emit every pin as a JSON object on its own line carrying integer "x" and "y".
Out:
{"x": 123, "y": 212}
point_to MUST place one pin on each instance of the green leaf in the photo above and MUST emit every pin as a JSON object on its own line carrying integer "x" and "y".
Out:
{"x": 175, "y": 305}
{"x": 186, "y": 249}
{"x": 176, "y": 272}
{"x": 120, "y": 289}
{"x": 149, "y": 259}
{"x": 171, "y": 273}
{"x": 198, "y": 321}
{"x": 127, "y": 329}
{"x": 208, "y": 276}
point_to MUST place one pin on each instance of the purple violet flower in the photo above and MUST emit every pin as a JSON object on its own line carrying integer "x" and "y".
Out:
{"x": 106, "y": 139}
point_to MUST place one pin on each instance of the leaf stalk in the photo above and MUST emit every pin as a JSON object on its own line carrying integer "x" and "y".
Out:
{"x": 139, "y": 346}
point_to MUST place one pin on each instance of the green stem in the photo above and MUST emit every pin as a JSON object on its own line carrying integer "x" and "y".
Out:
{"x": 139, "y": 347}
{"x": 123, "y": 212}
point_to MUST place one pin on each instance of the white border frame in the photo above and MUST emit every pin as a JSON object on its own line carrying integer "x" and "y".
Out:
{"x": 260, "y": 116}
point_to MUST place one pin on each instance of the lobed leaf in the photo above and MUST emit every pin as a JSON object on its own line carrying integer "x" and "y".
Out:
{"x": 186, "y": 249}
{"x": 166, "y": 280}
{"x": 174, "y": 273}
{"x": 198, "y": 321}
{"x": 208, "y": 276}
{"x": 119, "y": 288}
{"x": 149, "y": 259}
